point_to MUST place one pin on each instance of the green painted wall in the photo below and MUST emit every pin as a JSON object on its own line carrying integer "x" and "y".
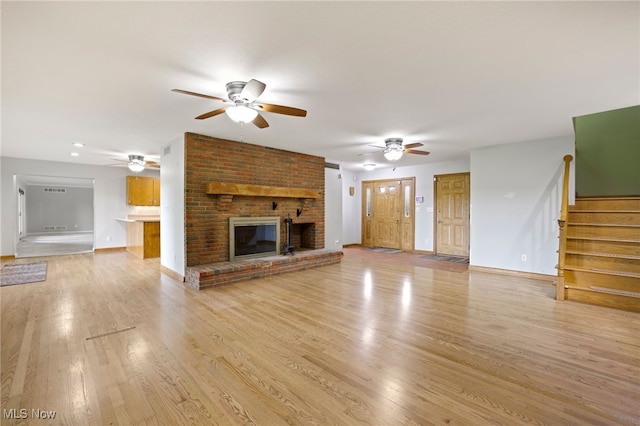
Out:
{"x": 608, "y": 153}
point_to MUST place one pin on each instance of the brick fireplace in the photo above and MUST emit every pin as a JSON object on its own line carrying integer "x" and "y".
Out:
{"x": 280, "y": 183}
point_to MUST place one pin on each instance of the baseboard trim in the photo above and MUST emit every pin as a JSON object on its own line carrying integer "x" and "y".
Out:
{"x": 109, "y": 249}
{"x": 352, "y": 245}
{"x": 8, "y": 257}
{"x": 173, "y": 274}
{"x": 521, "y": 274}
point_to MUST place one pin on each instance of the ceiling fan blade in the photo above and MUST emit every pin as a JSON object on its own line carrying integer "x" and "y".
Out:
{"x": 279, "y": 109}
{"x": 260, "y": 122}
{"x": 215, "y": 98}
{"x": 415, "y": 151}
{"x": 152, "y": 165}
{"x": 211, "y": 113}
{"x": 412, "y": 145}
{"x": 121, "y": 162}
{"x": 252, "y": 90}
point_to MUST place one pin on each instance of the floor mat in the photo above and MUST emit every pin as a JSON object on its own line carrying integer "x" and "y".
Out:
{"x": 383, "y": 250}
{"x": 23, "y": 273}
{"x": 456, "y": 259}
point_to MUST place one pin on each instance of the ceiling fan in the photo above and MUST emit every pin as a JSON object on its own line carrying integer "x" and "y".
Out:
{"x": 137, "y": 163}
{"x": 394, "y": 149}
{"x": 242, "y": 106}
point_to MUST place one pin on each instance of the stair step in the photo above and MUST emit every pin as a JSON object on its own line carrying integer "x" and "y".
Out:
{"x": 603, "y": 245}
{"x": 603, "y": 262}
{"x": 616, "y": 240}
{"x": 603, "y": 271}
{"x": 584, "y": 277}
{"x": 610, "y": 217}
{"x": 615, "y": 291}
{"x": 613, "y": 225}
{"x": 573, "y": 210}
{"x": 603, "y": 254}
{"x": 606, "y": 203}
{"x": 603, "y": 296}
{"x": 602, "y": 230}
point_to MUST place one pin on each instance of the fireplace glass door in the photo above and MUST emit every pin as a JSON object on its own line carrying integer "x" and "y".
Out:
{"x": 253, "y": 237}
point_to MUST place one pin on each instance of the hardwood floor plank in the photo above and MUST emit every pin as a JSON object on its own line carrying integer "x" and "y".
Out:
{"x": 372, "y": 340}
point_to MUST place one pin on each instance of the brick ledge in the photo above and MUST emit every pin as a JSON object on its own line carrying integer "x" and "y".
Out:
{"x": 209, "y": 275}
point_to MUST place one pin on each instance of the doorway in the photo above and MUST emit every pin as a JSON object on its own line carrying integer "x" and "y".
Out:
{"x": 54, "y": 215}
{"x": 452, "y": 218}
{"x": 388, "y": 213}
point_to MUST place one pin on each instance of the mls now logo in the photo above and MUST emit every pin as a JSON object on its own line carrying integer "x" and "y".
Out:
{"x": 23, "y": 413}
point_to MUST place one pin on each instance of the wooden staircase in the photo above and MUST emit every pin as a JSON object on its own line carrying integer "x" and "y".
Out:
{"x": 602, "y": 252}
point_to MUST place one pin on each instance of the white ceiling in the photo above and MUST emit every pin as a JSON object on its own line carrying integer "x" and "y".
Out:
{"x": 452, "y": 75}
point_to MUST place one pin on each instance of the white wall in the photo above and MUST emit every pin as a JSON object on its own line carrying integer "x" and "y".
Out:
{"x": 172, "y": 239}
{"x": 332, "y": 209}
{"x": 352, "y": 205}
{"x": 515, "y": 203}
{"x": 72, "y": 208}
{"x": 350, "y": 208}
{"x": 109, "y": 197}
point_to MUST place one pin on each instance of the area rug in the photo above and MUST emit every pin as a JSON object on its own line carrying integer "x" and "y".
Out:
{"x": 383, "y": 250}
{"x": 455, "y": 259}
{"x": 23, "y": 273}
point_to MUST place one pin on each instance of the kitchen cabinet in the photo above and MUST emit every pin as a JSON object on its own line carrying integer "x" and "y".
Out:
{"x": 143, "y": 191}
{"x": 143, "y": 238}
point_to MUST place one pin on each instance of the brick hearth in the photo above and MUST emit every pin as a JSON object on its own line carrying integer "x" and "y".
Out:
{"x": 203, "y": 276}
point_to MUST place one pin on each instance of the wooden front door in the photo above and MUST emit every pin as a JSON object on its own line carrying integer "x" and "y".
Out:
{"x": 387, "y": 213}
{"x": 452, "y": 214}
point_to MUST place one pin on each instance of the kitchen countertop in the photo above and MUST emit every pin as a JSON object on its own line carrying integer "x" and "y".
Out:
{"x": 140, "y": 218}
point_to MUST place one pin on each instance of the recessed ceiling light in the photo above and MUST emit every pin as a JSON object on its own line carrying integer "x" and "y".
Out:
{"x": 75, "y": 154}
{"x": 78, "y": 144}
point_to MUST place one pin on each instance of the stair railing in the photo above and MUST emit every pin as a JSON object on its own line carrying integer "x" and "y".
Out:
{"x": 562, "y": 223}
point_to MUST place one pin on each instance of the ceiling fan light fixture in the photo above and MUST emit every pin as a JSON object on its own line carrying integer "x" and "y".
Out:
{"x": 393, "y": 152}
{"x": 369, "y": 166}
{"x": 241, "y": 113}
{"x": 136, "y": 163}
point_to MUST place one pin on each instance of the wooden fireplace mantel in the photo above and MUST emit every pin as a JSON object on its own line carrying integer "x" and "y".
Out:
{"x": 214, "y": 188}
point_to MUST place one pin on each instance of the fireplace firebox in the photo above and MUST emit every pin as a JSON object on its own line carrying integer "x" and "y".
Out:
{"x": 251, "y": 237}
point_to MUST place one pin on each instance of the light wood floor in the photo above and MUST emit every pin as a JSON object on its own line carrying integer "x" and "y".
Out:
{"x": 369, "y": 341}
{"x": 54, "y": 244}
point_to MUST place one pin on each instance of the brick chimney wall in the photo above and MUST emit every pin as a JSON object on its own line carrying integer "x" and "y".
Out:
{"x": 209, "y": 159}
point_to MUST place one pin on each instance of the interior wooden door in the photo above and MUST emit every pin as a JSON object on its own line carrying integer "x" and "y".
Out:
{"x": 452, "y": 214}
